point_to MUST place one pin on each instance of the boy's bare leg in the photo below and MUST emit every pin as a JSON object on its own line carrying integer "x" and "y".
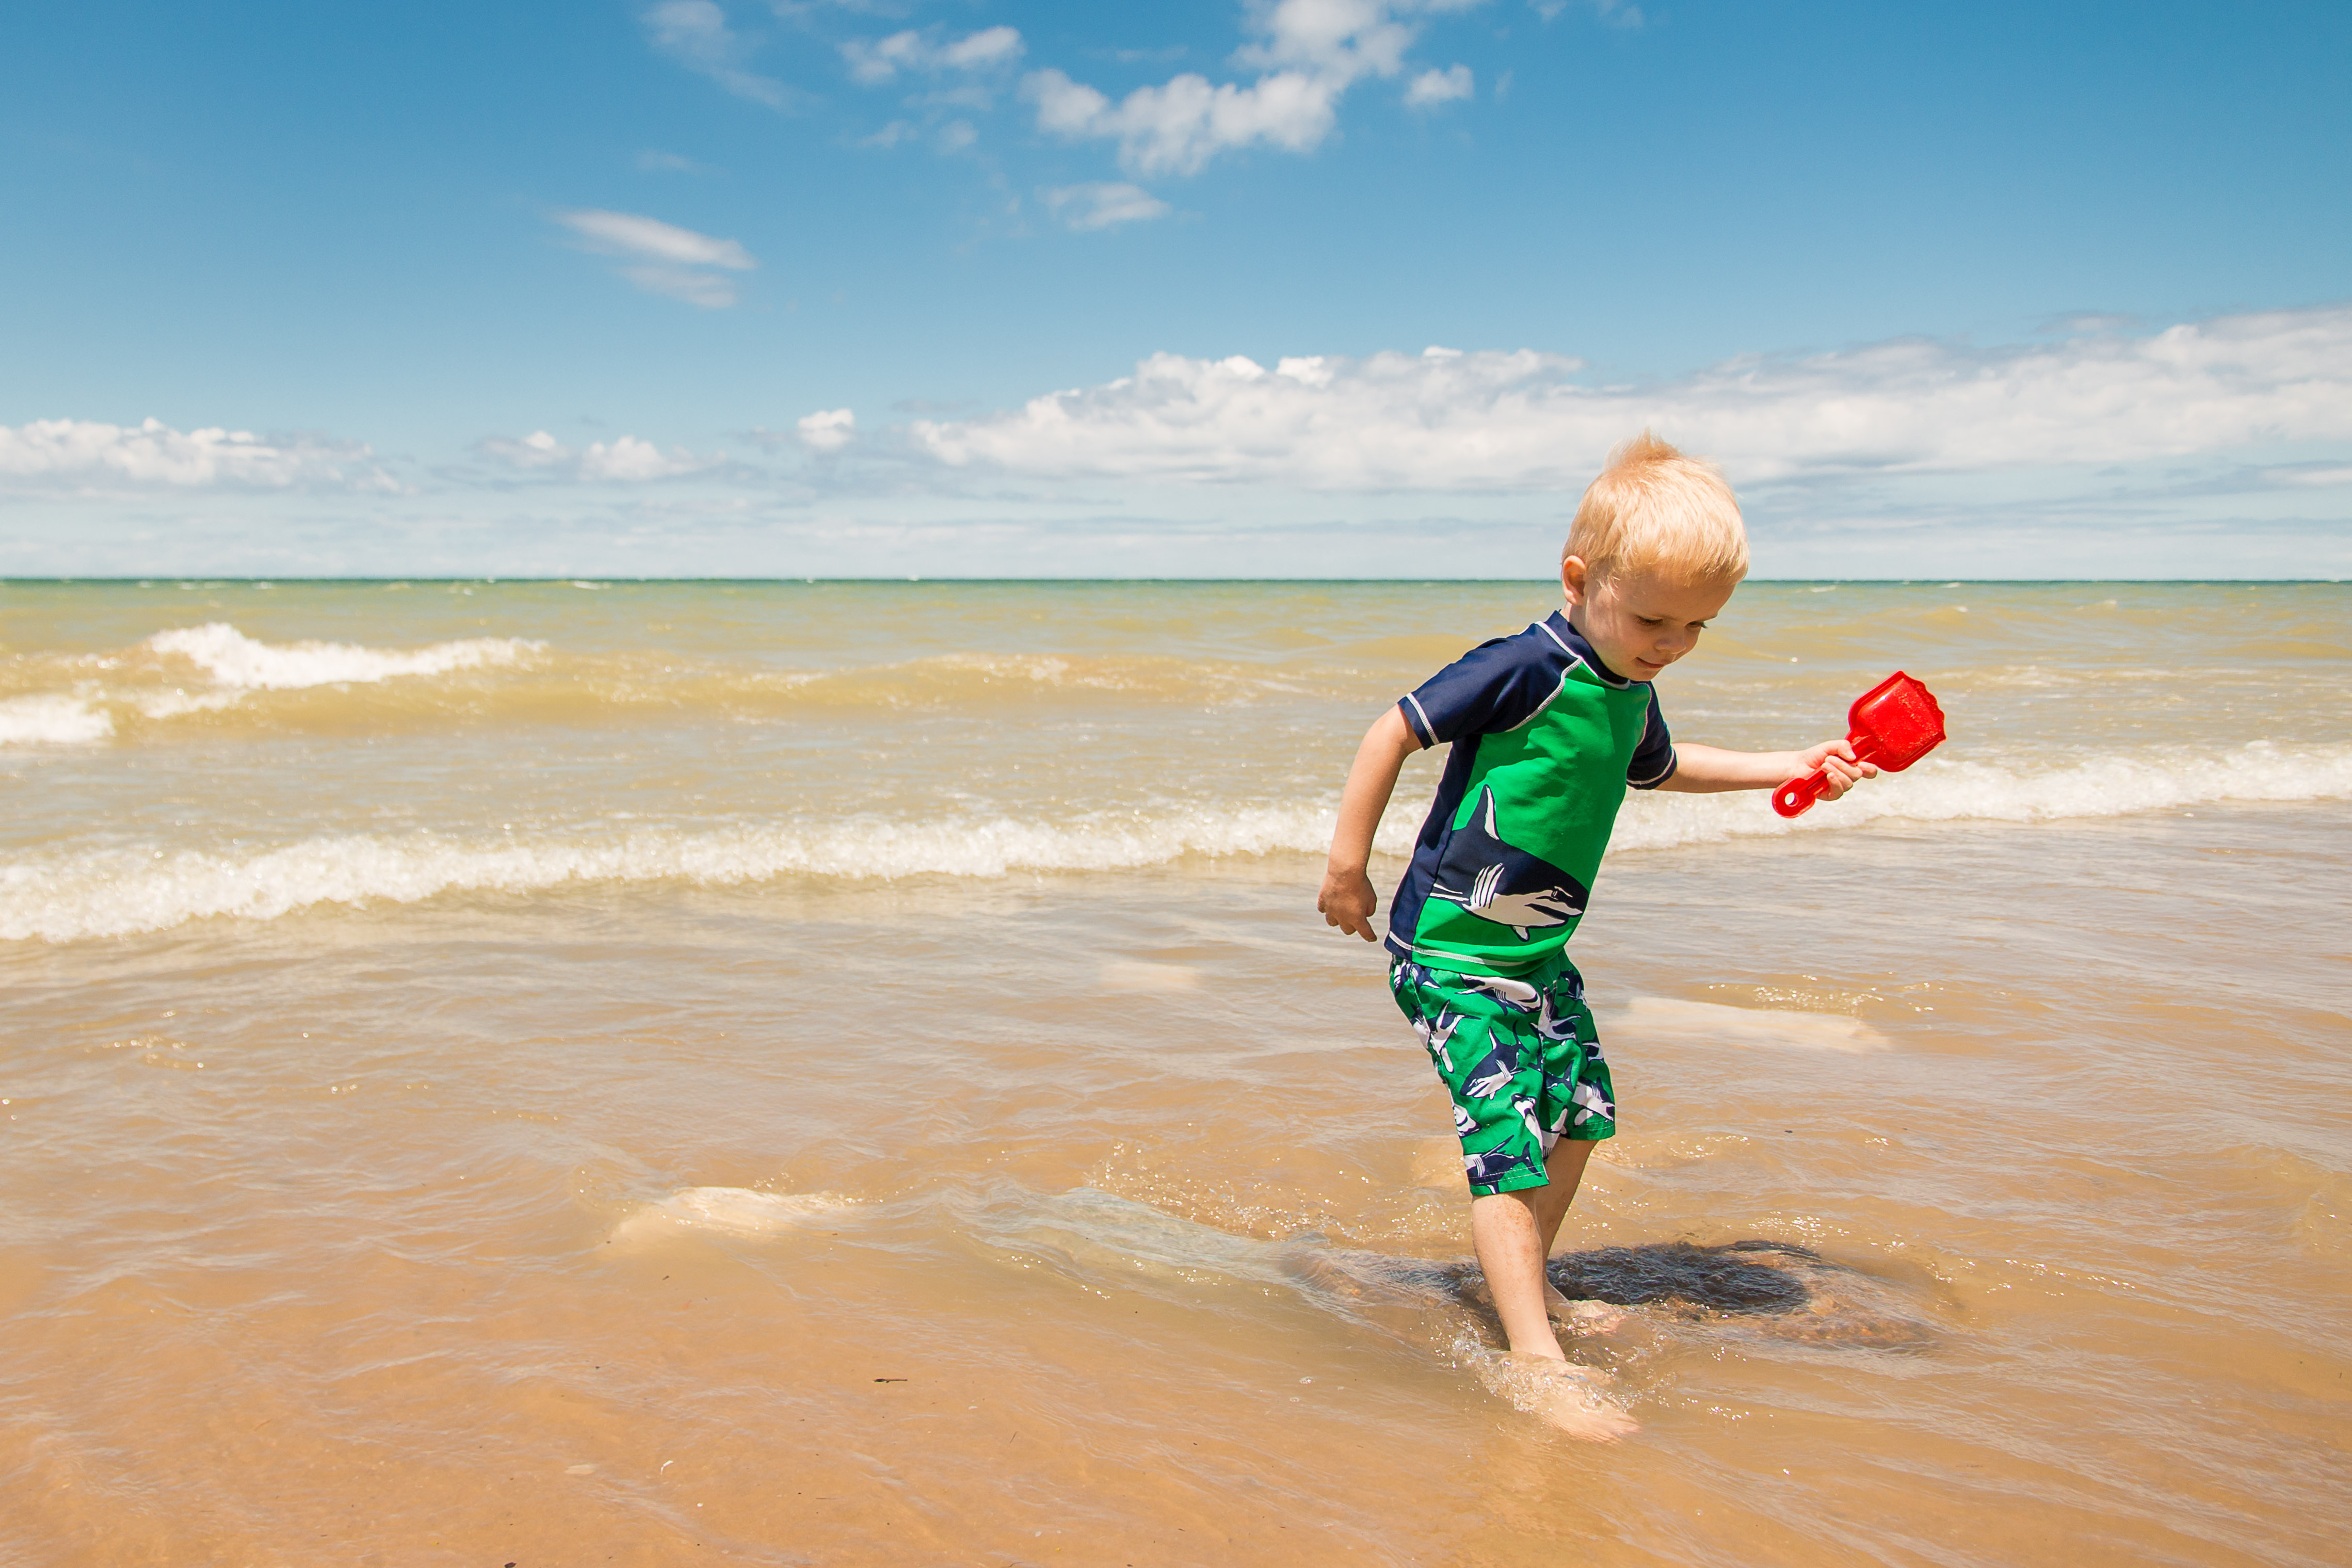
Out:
{"x": 1508, "y": 1234}
{"x": 1566, "y": 1169}
{"x": 1565, "y": 1166}
{"x": 1513, "y": 1232}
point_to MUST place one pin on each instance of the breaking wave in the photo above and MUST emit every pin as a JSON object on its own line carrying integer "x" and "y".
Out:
{"x": 232, "y": 667}
{"x": 120, "y": 892}
{"x": 233, "y": 659}
{"x": 52, "y": 719}
{"x": 1938, "y": 791}
{"x": 217, "y": 672}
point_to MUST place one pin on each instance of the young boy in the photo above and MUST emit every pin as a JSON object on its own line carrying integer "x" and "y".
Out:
{"x": 1548, "y": 727}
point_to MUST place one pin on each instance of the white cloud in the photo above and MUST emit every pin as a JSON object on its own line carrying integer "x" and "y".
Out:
{"x": 828, "y": 430}
{"x": 666, "y": 259}
{"x": 537, "y": 450}
{"x": 653, "y": 162}
{"x": 629, "y": 459}
{"x": 988, "y": 47}
{"x": 1433, "y": 87}
{"x": 971, "y": 59}
{"x": 83, "y": 451}
{"x": 1178, "y": 128}
{"x": 876, "y": 61}
{"x": 1102, "y": 205}
{"x": 1308, "y": 53}
{"x": 628, "y": 233}
{"x": 695, "y": 33}
{"x": 624, "y": 459}
{"x": 1450, "y": 420}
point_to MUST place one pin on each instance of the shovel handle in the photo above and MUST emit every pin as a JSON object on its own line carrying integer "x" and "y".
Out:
{"x": 1795, "y": 798}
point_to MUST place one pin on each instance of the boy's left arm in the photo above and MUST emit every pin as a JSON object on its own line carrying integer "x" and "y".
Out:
{"x": 1710, "y": 769}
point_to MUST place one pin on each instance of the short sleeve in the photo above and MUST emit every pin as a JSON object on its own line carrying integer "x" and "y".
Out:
{"x": 1653, "y": 759}
{"x": 1496, "y": 686}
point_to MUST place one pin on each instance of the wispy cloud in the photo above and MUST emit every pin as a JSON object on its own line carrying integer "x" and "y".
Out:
{"x": 828, "y": 430}
{"x": 1177, "y": 128}
{"x": 1102, "y": 205}
{"x": 1307, "y": 54}
{"x": 1433, "y": 87}
{"x": 632, "y": 235}
{"x": 1615, "y": 13}
{"x": 695, "y": 33}
{"x": 623, "y": 460}
{"x": 1449, "y": 420}
{"x": 662, "y": 257}
{"x": 877, "y": 61}
{"x": 652, "y": 161}
{"x": 91, "y": 454}
{"x": 704, "y": 290}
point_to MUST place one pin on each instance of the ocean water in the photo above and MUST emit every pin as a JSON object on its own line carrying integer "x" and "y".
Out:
{"x": 844, "y": 1074}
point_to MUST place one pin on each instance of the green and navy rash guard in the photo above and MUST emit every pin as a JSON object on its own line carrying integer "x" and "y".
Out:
{"x": 1546, "y": 738}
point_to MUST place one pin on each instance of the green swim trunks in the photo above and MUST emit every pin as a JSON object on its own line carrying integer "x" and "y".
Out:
{"x": 1520, "y": 1058}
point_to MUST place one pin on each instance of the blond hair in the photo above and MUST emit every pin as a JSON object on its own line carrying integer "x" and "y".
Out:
{"x": 1653, "y": 509}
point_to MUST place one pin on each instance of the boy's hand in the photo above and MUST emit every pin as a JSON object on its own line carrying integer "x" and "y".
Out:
{"x": 1836, "y": 759}
{"x": 1348, "y": 901}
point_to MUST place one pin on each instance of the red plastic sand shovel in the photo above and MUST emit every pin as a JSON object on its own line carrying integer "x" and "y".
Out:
{"x": 1894, "y": 723}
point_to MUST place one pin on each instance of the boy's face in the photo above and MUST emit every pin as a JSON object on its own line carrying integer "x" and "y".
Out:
{"x": 1639, "y": 622}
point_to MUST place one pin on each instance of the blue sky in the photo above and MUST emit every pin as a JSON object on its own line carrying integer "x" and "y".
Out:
{"x": 766, "y": 287}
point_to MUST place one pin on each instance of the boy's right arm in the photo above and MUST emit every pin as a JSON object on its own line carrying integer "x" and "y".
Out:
{"x": 1347, "y": 900}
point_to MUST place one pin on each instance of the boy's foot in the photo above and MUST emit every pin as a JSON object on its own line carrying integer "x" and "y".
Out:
{"x": 1581, "y": 1317}
{"x": 1570, "y": 1397}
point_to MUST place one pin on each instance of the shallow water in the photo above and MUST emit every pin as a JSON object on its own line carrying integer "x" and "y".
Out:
{"x": 851, "y": 1074}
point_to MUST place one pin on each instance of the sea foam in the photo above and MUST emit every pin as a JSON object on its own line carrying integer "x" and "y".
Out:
{"x": 52, "y": 719}
{"x": 1939, "y": 791}
{"x": 233, "y": 659}
{"x": 62, "y": 897}
{"x": 118, "y": 892}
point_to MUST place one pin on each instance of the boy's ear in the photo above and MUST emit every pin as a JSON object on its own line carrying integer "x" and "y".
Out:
{"x": 1574, "y": 578}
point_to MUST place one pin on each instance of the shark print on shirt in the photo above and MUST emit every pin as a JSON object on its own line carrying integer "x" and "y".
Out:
{"x": 1544, "y": 742}
{"x": 1496, "y": 880}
